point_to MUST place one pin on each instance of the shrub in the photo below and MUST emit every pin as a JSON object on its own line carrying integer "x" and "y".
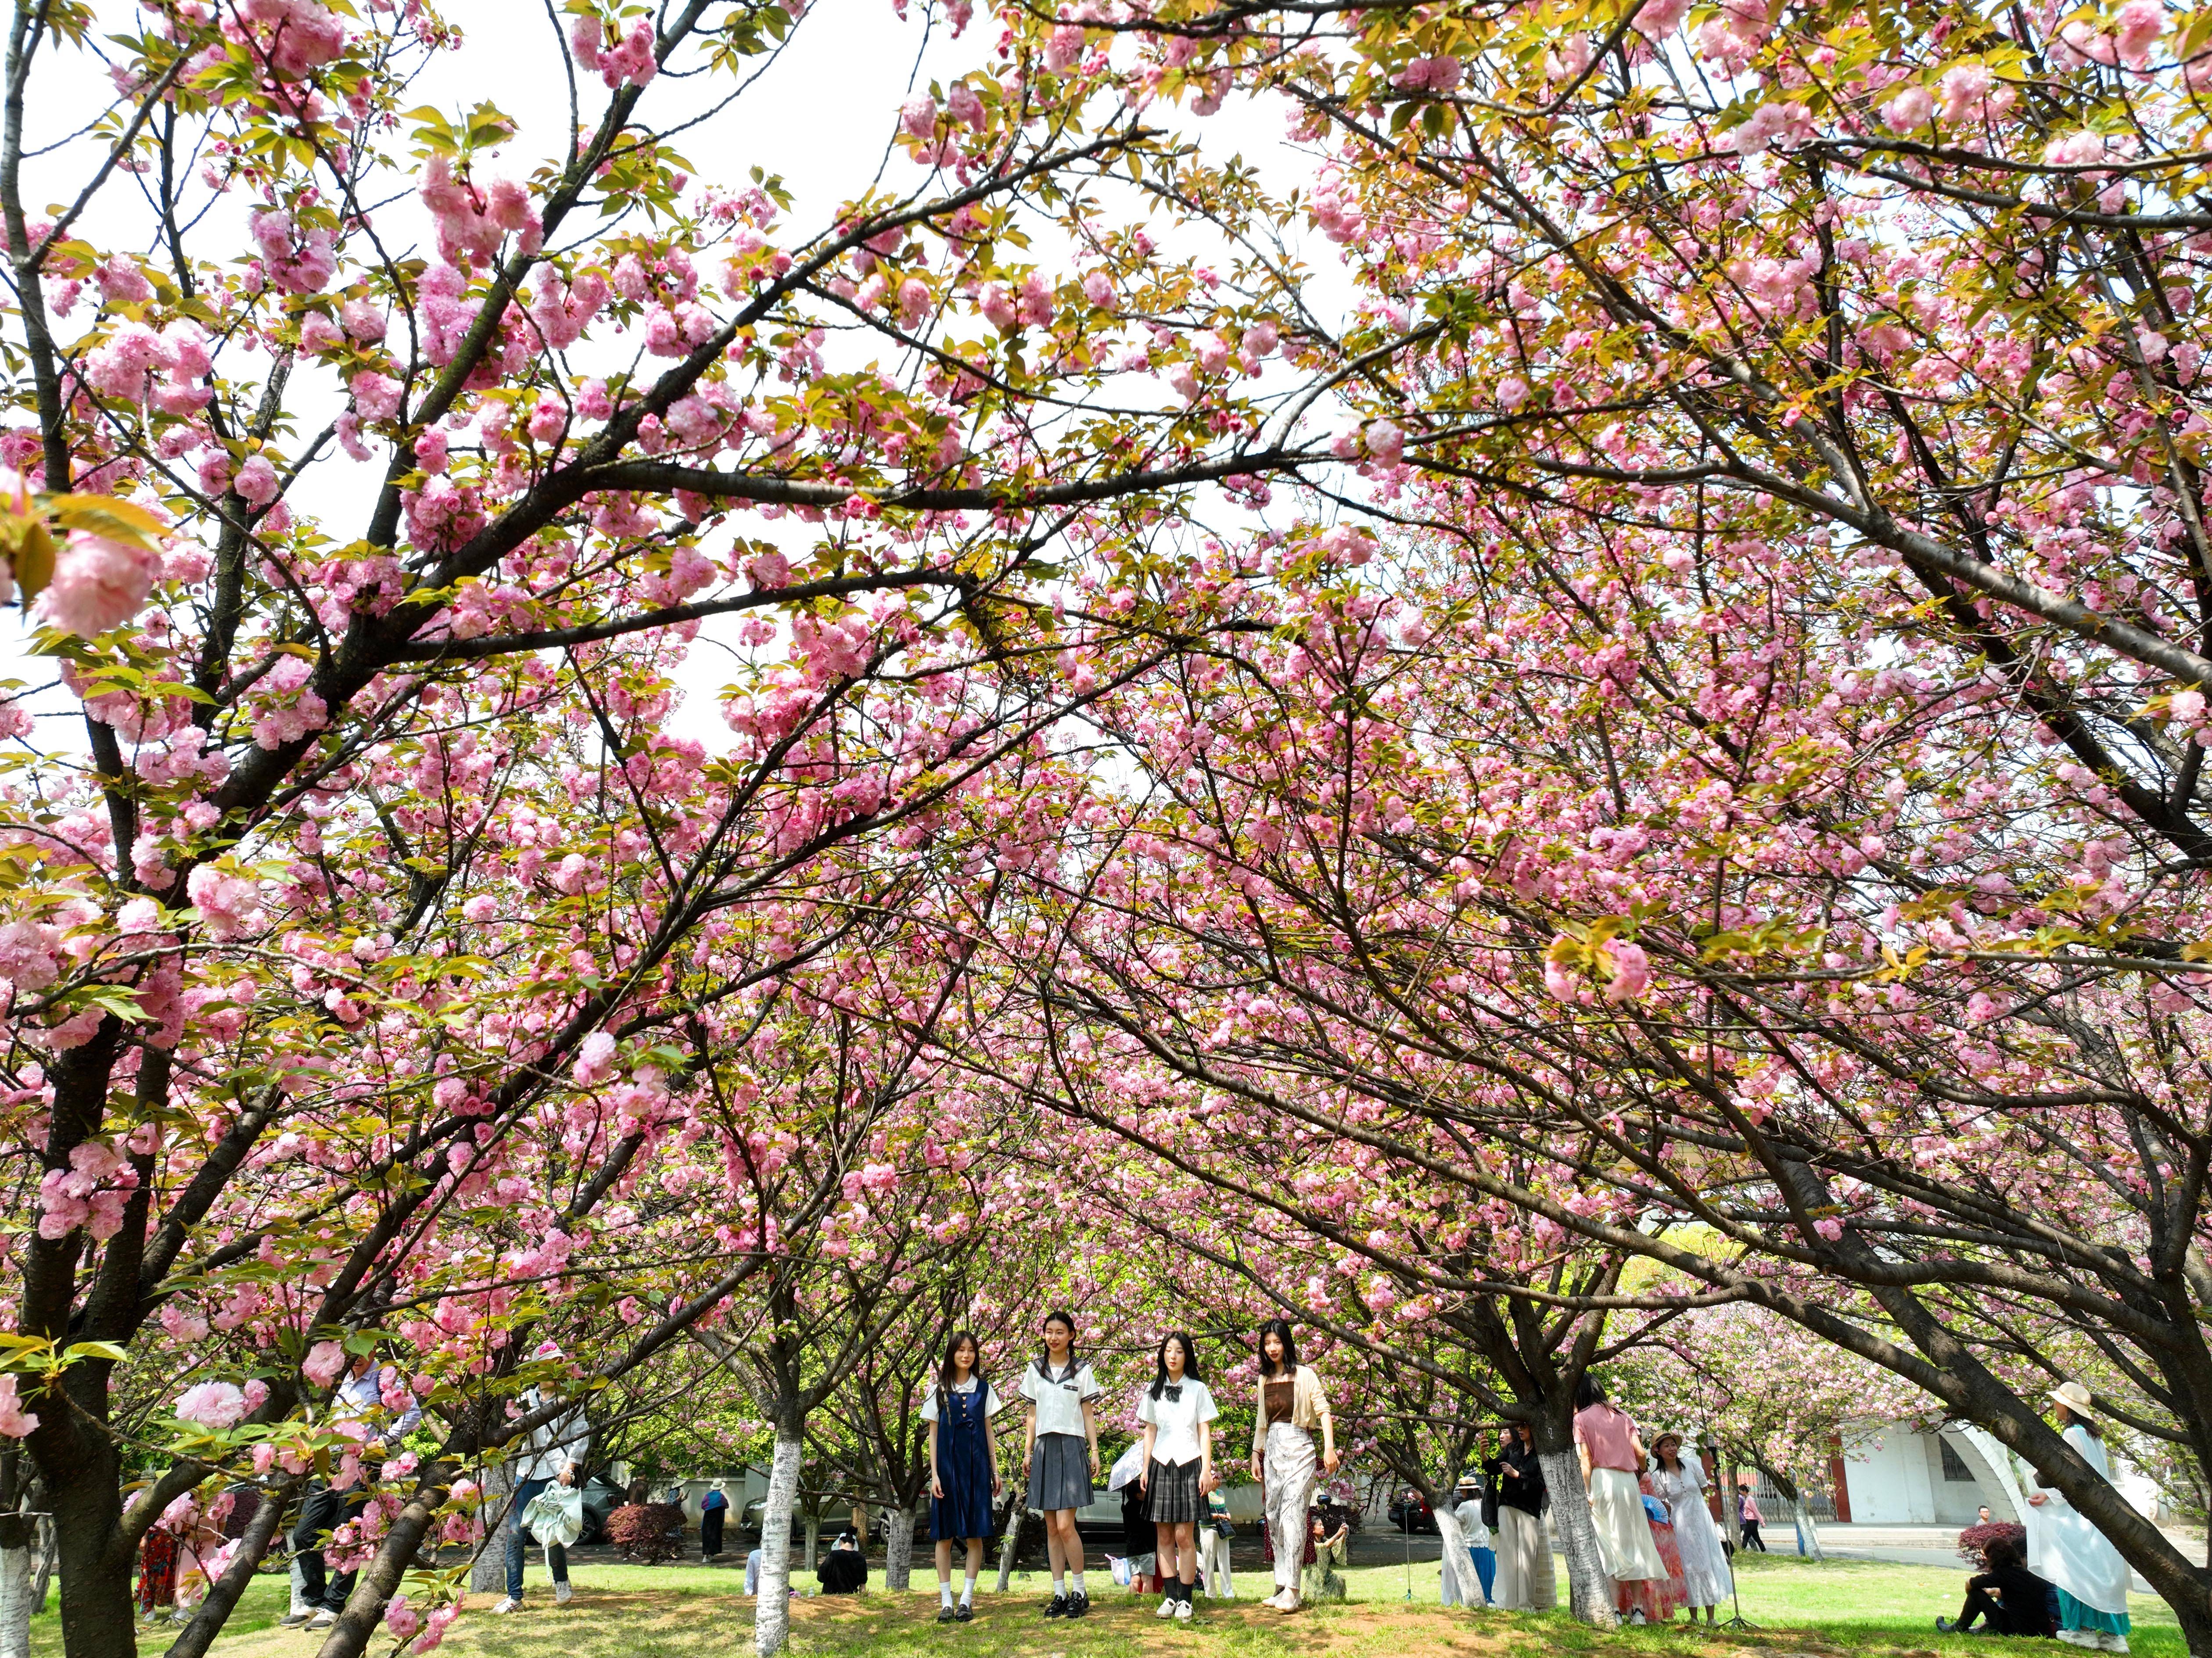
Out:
{"x": 647, "y": 1533}
{"x": 1974, "y": 1541}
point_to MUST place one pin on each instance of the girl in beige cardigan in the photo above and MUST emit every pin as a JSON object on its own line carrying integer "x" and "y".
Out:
{"x": 1289, "y": 1405}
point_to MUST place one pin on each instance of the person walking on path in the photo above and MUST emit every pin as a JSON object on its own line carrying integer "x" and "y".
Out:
{"x": 1177, "y": 1411}
{"x": 1062, "y": 1455}
{"x": 1680, "y": 1483}
{"x": 713, "y": 1510}
{"x": 1289, "y": 1405}
{"x": 326, "y": 1507}
{"x": 2066, "y": 1549}
{"x": 964, "y": 1468}
{"x": 1748, "y": 1518}
{"x": 1611, "y": 1452}
{"x": 550, "y": 1456}
{"x": 1526, "y": 1581}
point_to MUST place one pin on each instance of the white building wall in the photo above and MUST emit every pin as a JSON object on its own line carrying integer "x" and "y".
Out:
{"x": 1887, "y": 1473}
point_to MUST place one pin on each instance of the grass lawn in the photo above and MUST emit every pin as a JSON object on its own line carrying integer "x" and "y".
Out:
{"x": 1803, "y": 1611}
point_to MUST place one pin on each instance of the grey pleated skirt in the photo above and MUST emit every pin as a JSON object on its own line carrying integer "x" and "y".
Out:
{"x": 1060, "y": 1473}
{"x": 1172, "y": 1497}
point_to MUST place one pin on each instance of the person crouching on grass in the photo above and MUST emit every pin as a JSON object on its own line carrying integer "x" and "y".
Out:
{"x": 1177, "y": 1411}
{"x": 1063, "y": 1443}
{"x": 964, "y": 1468}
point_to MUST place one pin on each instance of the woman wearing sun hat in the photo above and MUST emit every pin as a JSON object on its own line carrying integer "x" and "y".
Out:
{"x": 2067, "y": 1551}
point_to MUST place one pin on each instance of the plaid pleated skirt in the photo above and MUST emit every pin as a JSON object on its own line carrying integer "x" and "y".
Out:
{"x": 1060, "y": 1473}
{"x": 1172, "y": 1499}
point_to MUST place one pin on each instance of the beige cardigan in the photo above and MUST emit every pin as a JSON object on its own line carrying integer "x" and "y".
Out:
{"x": 1309, "y": 1406}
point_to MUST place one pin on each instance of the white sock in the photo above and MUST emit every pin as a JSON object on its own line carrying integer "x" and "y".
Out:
{"x": 968, "y": 1594}
{"x": 1077, "y": 1578}
{"x": 1060, "y": 1581}
{"x": 945, "y": 1594}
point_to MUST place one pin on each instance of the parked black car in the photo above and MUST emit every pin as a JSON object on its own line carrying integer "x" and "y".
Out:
{"x": 1409, "y": 1512}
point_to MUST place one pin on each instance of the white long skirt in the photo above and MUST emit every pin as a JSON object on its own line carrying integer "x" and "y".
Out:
{"x": 1624, "y": 1532}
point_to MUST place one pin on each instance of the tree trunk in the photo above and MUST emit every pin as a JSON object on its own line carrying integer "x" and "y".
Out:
{"x": 772, "y": 1610}
{"x": 1457, "y": 1573}
{"x": 15, "y": 1595}
{"x": 488, "y": 1571}
{"x": 1010, "y": 1538}
{"x": 99, "y": 1616}
{"x": 222, "y": 1595}
{"x": 47, "y": 1554}
{"x": 1809, "y": 1530}
{"x": 1590, "y": 1588}
{"x": 380, "y": 1579}
{"x": 898, "y": 1549}
{"x": 814, "y": 1533}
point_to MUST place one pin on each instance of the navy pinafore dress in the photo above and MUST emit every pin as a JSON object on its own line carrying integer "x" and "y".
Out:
{"x": 963, "y": 1466}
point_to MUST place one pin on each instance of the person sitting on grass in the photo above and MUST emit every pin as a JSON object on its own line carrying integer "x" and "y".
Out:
{"x": 844, "y": 1570}
{"x": 2005, "y": 1595}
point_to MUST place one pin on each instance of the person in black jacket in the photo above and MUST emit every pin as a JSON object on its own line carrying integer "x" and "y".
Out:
{"x": 2007, "y": 1596}
{"x": 1525, "y": 1580}
{"x": 844, "y": 1570}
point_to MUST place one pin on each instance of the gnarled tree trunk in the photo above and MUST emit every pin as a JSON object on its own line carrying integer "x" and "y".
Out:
{"x": 1589, "y": 1586}
{"x": 1460, "y": 1586}
{"x": 898, "y": 1549}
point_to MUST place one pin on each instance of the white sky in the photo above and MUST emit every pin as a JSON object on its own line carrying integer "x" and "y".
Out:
{"x": 820, "y": 115}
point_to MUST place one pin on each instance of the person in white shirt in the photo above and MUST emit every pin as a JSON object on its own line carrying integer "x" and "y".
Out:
{"x": 1178, "y": 1414}
{"x": 1062, "y": 1455}
{"x": 550, "y": 1452}
{"x": 1475, "y": 1537}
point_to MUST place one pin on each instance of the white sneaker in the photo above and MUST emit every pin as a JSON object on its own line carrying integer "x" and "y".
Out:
{"x": 563, "y": 1595}
{"x": 1166, "y": 1607}
{"x": 1182, "y": 1611}
{"x": 323, "y": 1619}
{"x": 508, "y": 1603}
{"x": 1637, "y": 1616}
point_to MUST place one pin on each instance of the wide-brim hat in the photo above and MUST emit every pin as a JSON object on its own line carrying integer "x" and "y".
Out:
{"x": 1467, "y": 1482}
{"x": 1663, "y": 1438}
{"x": 2074, "y": 1396}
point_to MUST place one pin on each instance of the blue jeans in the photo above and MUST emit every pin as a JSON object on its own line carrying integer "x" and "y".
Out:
{"x": 1485, "y": 1569}
{"x": 557, "y": 1558}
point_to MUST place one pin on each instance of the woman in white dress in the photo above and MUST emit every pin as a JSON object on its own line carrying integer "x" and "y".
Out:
{"x": 2069, "y": 1552}
{"x": 1680, "y": 1483}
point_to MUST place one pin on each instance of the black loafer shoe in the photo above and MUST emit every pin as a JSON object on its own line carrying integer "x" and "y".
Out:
{"x": 966, "y": 1614}
{"x": 1078, "y": 1604}
{"x": 1057, "y": 1606}
{"x": 944, "y": 1614}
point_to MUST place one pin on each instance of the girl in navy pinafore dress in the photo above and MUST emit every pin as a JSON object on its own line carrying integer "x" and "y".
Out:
{"x": 964, "y": 1468}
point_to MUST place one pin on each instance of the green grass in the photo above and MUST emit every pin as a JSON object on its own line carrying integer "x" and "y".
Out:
{"x": 1802, "y": 1610}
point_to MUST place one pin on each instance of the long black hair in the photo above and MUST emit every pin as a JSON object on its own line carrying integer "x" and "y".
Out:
{"x": 1160, "y": 1360}
{"x": 1278, "y": 1327}
{"x": 1044, "y": 1359}
{"x": 945, "y": 1377}
{"x": 1589, "y": 1391}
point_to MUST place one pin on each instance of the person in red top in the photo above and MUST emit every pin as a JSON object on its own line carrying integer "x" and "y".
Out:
{"x": 1611, "y": 1452}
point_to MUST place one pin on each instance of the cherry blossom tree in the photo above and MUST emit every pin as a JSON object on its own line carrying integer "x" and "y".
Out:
{"x": 374, "y": 887}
